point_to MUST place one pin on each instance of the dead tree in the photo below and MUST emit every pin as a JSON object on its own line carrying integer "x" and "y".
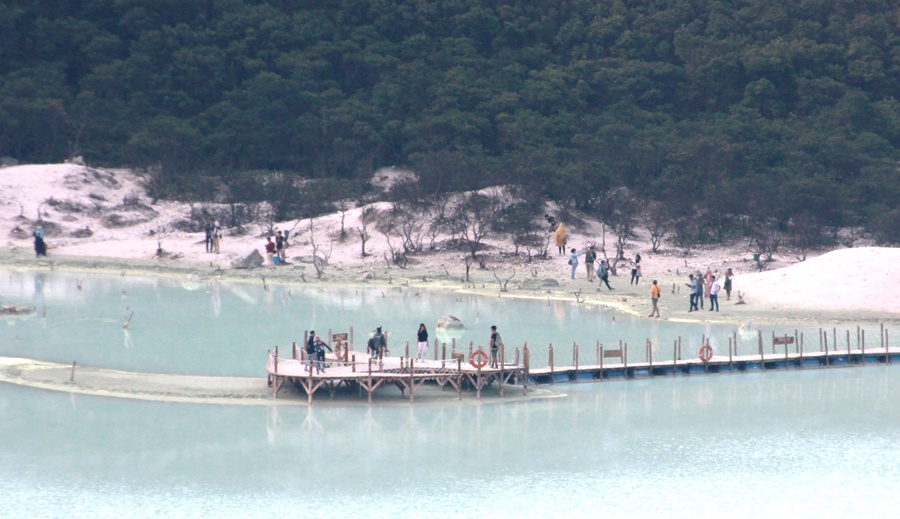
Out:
{"x": 503, "y": 282}
{"x": 319, "y": 263}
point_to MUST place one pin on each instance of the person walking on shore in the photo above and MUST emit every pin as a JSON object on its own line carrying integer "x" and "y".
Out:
{"x": 728, "y": 275}
{"x": 279, "y": 246}
{"x": 573, "y": 262}
{"x": 422, "y": 337}
{"x": 561, "y": 238}
{"x": 209, "y": 236}
{"x": 217, "y": 236}
{"x": 270, "y": 252}
{"x": 655, "y": 292}
{"x": 589, "y": 257}
{"x": 603, "y": 274}
{"x": 693, "y": 285}
{"x": 635, "y": 270}
{"x": 714, "y": 294}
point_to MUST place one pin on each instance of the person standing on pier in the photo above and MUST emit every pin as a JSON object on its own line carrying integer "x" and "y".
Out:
{"x": 320, "y": 354}
{"x": 379, "y": 342}
{"x": 422, "y": 337}
{"x": 310, "y": 351}
{"x": 495, "y": 344}
{"x": 655, "y": 292}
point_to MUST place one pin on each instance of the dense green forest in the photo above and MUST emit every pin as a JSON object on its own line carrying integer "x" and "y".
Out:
{"x": 729, "y": 115}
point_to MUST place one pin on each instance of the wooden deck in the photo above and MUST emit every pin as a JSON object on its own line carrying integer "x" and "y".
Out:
{"x": 716, "y": 364}
{"x": 367, "y": 373}
{"x": 370, "y": 373}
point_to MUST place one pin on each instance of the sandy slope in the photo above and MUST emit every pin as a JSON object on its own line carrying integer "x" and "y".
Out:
{"x": 850, "y": 284}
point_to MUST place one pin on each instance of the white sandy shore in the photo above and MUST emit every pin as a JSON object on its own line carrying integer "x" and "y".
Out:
{"x": 848, "y": 285}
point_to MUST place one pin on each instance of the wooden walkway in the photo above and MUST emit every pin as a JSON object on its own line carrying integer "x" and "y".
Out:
{"x": 716, "y": 364}
{"x": 367, "y": 374}
{"x": 359, "y": 370}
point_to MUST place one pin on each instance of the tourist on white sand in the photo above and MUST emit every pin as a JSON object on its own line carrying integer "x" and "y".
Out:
{"x": 75, "y": 204}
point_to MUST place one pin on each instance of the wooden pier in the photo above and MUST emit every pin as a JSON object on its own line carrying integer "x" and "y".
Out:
{"x": 464, "y": 373}
{"x": 367, "y": 373}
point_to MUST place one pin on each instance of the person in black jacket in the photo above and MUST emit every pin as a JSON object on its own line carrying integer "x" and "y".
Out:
{"x": 310, "y": 351}
{"x": 422, "y": 336}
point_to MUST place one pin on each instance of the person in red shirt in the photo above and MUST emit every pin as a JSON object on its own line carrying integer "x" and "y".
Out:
{"x": 270, "y": 252}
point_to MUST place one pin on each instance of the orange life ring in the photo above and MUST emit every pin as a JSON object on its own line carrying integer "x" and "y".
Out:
{"x": 478, "y": 359}
{"x": 706, "y": 353}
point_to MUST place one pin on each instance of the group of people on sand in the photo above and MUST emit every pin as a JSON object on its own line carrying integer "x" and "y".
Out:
{"x": 702, "y": 287}
{"x": 275, "y": 251}
{"x": 213, "y": 240}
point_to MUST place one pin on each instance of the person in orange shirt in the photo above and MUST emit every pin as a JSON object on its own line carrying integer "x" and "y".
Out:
{"x": 655, "y": 292}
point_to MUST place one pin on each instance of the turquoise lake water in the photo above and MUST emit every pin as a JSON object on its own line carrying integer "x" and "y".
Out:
{"x": 812, "y": 443}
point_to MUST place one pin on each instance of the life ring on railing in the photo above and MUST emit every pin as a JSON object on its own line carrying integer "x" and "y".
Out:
{"x": 706, "y": 353}
{"x": 478, "y": 359}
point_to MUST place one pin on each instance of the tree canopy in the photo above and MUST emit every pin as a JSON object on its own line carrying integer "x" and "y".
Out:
{"x": 725, "y": 109}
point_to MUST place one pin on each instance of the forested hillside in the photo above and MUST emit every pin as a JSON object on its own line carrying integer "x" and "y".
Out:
{"x": 725, "y": 112}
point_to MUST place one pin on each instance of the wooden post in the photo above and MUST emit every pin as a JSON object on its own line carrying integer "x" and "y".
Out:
{"x": 734, "y": 335}
{"x": 459, "y": 377}
{"x": 848, "y": 346}
{"x": 435, "y": 349}
{"x": 72, "y": 375}
{"x": 502, "y": 366}
{"x": 353, "y": 365}
{"x": 329, "y": 336}
{"x": 369, "y": 390}
{"x": 351, "y": 338}
{"x": 796, "y": 341}
{"x": 679, "y": 348}
{"x": 407, "y": 349}
{"x": 443, "y": 351}
{"x": 625, "y": 356}
{"x": 650, "y": 355}
{"x": 575, "y": 357}
{"x": 674, "y": 357}
{"x": 730, "y": 358}
{"x": 863, "y": 343}
{"x": 857, "y": 338}
{"x": 551, "y": 362}
{"x": 598, "y": 350}
{"x": 601, "y": 362}
{"x": 820, "y": 339}
{"x": 276, "y": 358}
{"x": 825, "y": 336}
{"x": 773, "y": 342}
{"x": 761, "y": 356}
{"x": 412, "y": 378}
{"x": 526, "y": 362}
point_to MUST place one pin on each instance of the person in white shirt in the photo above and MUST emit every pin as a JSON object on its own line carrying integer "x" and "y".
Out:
{"x": 714, "y": 294}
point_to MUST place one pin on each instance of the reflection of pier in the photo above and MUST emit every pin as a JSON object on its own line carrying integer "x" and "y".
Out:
{"x": 787, "y": 352}
{"x": 362, "y": 372}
